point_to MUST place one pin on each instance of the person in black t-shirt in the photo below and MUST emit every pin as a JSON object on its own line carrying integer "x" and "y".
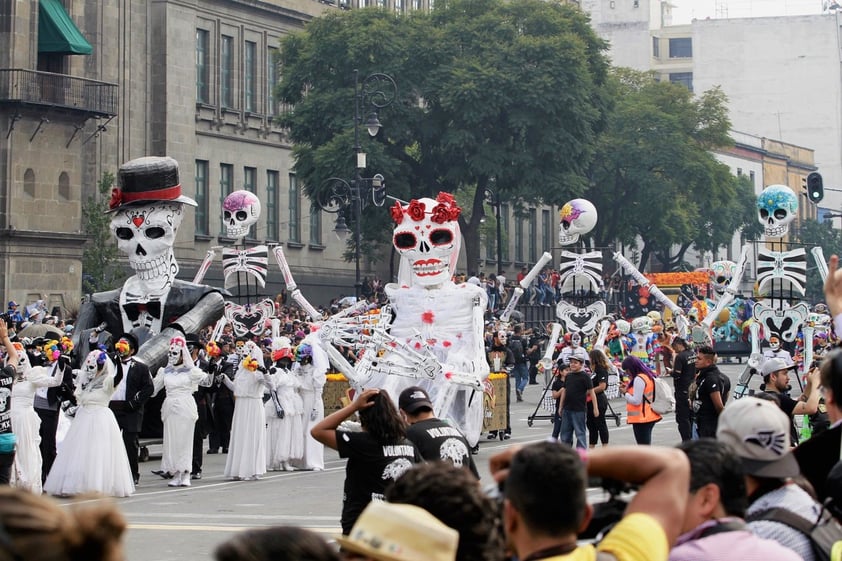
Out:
{"x": 683, "y": 374}
{"x": 710, "y": 392}
{"x": 574, "y": 395}
{"x": 7, "y": 378}
{"x": 776, "y": 382}
{"x": 434, "y": 438}
{"x": 377, "y": 455}
{"x": 597, "y": 427}
{"x": 557, "y": 385}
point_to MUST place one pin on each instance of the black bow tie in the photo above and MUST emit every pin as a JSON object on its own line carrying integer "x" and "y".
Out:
{"x": 152, "y": 308}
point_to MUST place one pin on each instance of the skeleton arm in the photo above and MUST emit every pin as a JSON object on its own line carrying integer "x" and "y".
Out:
{"x": 821, "y": 263}
{"x": 730, "y": 291}
{"x": 653, "y": 289}
{"x": 206, "y": 263}
{"x": 533, "y": 272}
{"x": 292, "y": 286}
{"x": 510, "y": 307}
{"x": 546, "y": 361}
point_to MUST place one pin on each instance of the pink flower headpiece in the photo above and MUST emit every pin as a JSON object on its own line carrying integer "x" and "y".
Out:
{"x": 445, "y": 210}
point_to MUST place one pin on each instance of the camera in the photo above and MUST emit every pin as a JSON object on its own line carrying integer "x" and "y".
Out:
{"x": 7, "y": 317}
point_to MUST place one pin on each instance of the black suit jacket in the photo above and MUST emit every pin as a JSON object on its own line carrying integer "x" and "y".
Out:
{"x": 138, "y": 390}
{"x": 63, "y": 391}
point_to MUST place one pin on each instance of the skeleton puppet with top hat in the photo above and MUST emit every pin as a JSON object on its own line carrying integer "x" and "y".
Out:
{"x": 147, "y": 209}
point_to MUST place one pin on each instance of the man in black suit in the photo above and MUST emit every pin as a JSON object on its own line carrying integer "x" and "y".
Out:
{"x": 132, "y": 387}
{"x": 47, "y": 403}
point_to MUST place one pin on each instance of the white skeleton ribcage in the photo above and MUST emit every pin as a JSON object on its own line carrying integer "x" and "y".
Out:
{"x": 252, "y": 261}
{"x": 781, "y": 271}
{"x": 580, "y": 271}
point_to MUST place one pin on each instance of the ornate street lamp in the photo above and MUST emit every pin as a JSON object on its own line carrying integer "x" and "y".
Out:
{"x": 494, "y": 200}
{"x": 337, "y": 195}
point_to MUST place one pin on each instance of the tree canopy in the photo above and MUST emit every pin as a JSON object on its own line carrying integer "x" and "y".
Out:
{"x": 491, "y": 92}
{"x": 654, "y": 175}
{"x": 824, "y": 235}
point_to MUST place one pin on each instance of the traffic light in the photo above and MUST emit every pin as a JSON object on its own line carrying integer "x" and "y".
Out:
{"x": 815, "y": 188}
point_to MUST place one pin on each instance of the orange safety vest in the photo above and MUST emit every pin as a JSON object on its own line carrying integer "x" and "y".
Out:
{"x": 642, "y": 413}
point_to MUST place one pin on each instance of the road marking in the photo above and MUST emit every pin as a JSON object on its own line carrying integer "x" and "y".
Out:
{"x": 330, "y": 530}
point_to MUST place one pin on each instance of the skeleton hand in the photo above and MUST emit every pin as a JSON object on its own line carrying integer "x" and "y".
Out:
{"x": 755, "y": 359}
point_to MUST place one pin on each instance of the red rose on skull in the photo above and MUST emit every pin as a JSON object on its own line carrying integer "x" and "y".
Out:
{"x": 397, "y": 213}
{"x": 441, "y": 214}
{"x": 415, "y": 210}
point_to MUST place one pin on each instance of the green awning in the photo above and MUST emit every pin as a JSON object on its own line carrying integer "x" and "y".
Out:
{"x": 56, "y": 31}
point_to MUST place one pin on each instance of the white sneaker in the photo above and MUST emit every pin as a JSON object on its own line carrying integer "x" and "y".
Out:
{"x": 175, "y": 481}
{"x": 185, "y": 479}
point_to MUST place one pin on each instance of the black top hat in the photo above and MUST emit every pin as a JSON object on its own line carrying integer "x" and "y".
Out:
{"x": 193, "y": 340}
{"x": 143, "y": 180}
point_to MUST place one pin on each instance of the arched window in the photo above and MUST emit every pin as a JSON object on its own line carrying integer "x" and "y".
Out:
{"x": 29, "y": 183}
{"x": 64, "y": 186}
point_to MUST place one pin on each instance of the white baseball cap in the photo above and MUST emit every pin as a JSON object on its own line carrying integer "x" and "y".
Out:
{"x": 771, "y": 365}
{"x": 759, "y": 432}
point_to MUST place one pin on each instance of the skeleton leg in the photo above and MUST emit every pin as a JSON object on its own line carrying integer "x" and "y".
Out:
{"x": 820, "y": 261}
{"x": 510, "y": 307}
{"x": 756, "y": 357}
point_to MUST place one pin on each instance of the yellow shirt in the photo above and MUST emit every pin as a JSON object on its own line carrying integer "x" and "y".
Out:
{"x": 637, "y": 537}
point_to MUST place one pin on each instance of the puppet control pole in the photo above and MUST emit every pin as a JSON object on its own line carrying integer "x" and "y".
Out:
{"x": 643, "y": 281}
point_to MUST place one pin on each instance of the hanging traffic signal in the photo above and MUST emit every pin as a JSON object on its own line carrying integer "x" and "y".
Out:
{"x": 815, "y": 188}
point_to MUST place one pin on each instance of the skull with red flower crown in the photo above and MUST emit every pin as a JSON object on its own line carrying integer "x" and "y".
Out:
{"x": 427, "y": 236}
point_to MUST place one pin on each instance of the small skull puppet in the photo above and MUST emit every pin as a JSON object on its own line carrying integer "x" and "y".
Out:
{"x": 578, "y": 217}
{"x": 721, "y": 273}
{"x": 146, "y": 210}
{"x": 240, "y": 210}
{"x": 777, "y": 206}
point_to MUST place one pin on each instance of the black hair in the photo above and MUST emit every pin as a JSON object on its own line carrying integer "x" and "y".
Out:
{"x": 713, "y": 461}
{"x": 706, "y": 350}
{"x": 281, "y": 543}
{"x": 453, "y": 495}
{"x": 382, "y": 420}
{"x": 546, "y": 485}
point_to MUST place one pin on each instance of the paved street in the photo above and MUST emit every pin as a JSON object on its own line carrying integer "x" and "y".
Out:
{"x": 186, "y": 524}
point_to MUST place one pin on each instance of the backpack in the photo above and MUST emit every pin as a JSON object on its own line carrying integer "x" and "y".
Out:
{"x": 516, "y": 346}
{"x": 825, "y": 533}
{"x": 663, "y": 400}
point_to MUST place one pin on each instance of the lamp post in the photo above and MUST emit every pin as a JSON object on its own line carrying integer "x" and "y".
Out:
{"x": 494, "y": 200}
{"x": 830, "y": 216}
{"x": 337, "y": 195}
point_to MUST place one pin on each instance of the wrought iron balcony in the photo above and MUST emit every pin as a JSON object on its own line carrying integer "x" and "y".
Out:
{"x": 30, "y": 87}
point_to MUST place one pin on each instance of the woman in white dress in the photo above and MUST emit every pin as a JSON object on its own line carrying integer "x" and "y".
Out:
{"x": 92, "y": 457}
{"x": 284, "y": 441}
{"x": 26, "y": 471}
{"x": 311, "y": 369}
{"x": 247, "y": 448}
{"x": 180, "y": 377}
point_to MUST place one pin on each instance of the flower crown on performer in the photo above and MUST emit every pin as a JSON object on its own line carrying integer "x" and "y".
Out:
{"x": 445, "y": 210}
{"x": 66, "y": 344}
{"x": 51, "y": 350}
{"x": 213, "y": 350}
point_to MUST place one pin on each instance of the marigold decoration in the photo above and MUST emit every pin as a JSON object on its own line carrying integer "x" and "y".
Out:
{"x": 122, "y": 346}
{"x": 51, "y": 350}
{"x": 336, "y": 377}
{"x": 250, "y": 364}
{"x": 66, "y": 344}
{"x": 678, "y": 279}
{"x": 213, "y": 350}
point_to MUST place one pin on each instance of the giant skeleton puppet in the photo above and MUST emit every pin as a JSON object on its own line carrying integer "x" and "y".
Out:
{"x": 431, "y": 332}
{"x": 147, "y": 208}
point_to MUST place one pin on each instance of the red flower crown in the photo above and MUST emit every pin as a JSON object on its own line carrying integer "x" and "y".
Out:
{"x": 445, "y": 211}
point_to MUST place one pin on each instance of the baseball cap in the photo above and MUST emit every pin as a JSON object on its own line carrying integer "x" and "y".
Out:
{"x": 758, "y": 431}
{"x": 414, "y": 398}
{"x": 773, "y": 365}
{"x": 577, "y": 358}
{"x": 12, "y": 303}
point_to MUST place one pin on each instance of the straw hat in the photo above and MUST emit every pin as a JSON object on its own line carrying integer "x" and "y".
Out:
{"x": 401, "y": 532}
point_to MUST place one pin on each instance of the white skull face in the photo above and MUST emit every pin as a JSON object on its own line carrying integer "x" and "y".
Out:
{"x": 502, "y": 337}
{"x": 774, "y": 343}
{"x": 578, "y": 217}
{"x": 777, "y": 206}
{"x": 427, "y": 236}
{"x": 174, "y": 356}
{"x": 5, "y": 393}
{"x": 575, "y": 340}
{"x": 240, "y": 210}
{"x": 623, "y": 326}
{"x": 642, "y": 325}
{"x": 721, "y": 273}
{"x": 146, "y": 235}
{"x": 241, "y": 349}
{"x": 92, "y": 364}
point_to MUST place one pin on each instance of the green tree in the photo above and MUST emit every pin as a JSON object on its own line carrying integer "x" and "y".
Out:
{"x": 655, "y": 177}
{"x": 489, "y": 90}
{"x": 100, "y": 270}
{"x": 825, "y": 236}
